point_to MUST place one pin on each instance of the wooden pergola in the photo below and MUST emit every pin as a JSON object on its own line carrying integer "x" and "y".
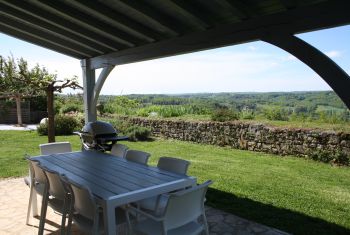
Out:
{"x": 103, "y": 34}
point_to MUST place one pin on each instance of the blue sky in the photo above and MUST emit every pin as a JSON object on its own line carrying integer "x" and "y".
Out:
{"x": 249, "y": 67}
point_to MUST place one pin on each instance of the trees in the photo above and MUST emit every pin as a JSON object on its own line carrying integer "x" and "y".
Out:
{"x": 17, "y": 81}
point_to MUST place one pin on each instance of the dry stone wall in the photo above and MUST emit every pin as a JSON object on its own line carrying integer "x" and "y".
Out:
{"x": 255, "y": 137}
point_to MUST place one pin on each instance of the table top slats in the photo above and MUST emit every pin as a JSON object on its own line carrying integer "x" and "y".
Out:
{"x": 87, "y": 174}
{"x": 132, "y": 169}
{"x": 114, "y": 178}
{"x": 128, "y": 181}
{"x": 138, "y": 168}
{"x": 98, "y": 191}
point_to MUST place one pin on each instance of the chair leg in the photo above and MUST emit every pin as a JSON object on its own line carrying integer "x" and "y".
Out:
{"x": 205, "y": 223}
{"x": 43, "y": 211}
{"x": 129, "y": 222}
{"x": 30, "y": 203}
{"x": 64, "y": 215}
{"x": 70, "y": 217}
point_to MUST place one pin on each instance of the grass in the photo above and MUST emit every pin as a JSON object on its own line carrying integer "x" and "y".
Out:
{"x": 289, "y": 193}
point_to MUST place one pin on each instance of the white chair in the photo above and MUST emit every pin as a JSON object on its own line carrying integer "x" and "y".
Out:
{"x": 178, "y": 216}
{"x": 175, "y": 165}
{"x": 57, "y": 197}
{"x": 171, "y": 164}
{"x": 50, "y": 148}
{"x": 38, "y": 184}
{"x": 119, "y": 150}
{"x": 137, "y": 156}
{"x": 57, "y": 147}
{"x": 87, "y": 213}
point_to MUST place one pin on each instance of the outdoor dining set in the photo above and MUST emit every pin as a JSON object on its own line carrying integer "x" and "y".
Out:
{"x": 96, "y": 191}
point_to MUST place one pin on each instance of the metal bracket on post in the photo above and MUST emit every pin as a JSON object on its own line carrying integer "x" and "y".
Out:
{"x": 334, "y": 75}
{"x": 92, "y": 88}
{"x": 98, "y": 86}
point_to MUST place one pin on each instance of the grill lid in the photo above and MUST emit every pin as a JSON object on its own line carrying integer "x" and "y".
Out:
{"x": 99, "y": 128}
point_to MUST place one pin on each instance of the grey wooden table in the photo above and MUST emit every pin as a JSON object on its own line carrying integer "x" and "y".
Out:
{"x": 113, "y": 180}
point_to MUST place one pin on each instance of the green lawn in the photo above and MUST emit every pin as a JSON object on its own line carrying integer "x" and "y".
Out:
{"x": 292, "y": 194}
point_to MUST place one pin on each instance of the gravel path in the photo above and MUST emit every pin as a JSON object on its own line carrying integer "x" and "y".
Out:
{"x": 8, "y": 127}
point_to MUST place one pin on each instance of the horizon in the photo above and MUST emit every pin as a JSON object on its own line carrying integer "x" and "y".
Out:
{"x": 239, "y": 92}
{"x": 254, "y": 67}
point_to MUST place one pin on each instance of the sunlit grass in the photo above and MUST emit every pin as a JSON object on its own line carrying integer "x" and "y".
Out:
{"x": 295, "y": 195}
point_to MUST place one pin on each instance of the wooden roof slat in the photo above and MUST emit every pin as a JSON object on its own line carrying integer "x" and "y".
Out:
{"x": 48, "y": 28}
{"x": 123, "y": 39}
{"x": 117, "y": 19}
{"x": 61, "y": 23}
{"x": 25, "y": 35}
{"x": 194, "y": 13}
{"x": 160, "y": 18}
{"x": 243, "y": 8}
{"x": 241, "y": 14}
{"x": 46, "y": 36}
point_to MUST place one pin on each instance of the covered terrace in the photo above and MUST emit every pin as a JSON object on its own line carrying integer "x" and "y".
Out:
{"x": 105, "y": 34}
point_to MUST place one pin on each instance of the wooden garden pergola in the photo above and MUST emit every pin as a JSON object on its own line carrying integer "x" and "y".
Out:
{"x": 103, "y": 34}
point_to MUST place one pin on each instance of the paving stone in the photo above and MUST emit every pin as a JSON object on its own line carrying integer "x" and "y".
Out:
{"x": 13, "y": 211}
{"x": 215, "y": 218}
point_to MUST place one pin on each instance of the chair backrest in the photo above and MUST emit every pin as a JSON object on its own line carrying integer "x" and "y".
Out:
{"x": 137, "y": 156}
{"x": 185, "y": 206}
{"x": 57, "y": 147}
{"x": 56, "y": 187}
{"x": 119, "y": 150}
{"x": 37, "y": 173}
{"x": 84, "y": 201}
{"x": 175, "y": 165}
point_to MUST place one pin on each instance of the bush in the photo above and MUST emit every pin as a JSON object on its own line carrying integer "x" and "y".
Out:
{"x": 64, "y": 125}
{"x": 223, "y": 115}
{"x": 339, "y": 157}
{"x": 72, "y": 108}
{"x": 247, "y": 115}
{"x": 276, "y": 113}
{"x": 342, "y": 158}
{"x": 138, "y": 133}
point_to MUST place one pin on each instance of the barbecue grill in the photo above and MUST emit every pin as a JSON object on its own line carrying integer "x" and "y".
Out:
{"x": 99, "y": 136}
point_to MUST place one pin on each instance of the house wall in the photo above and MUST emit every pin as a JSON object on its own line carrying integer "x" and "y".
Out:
{"x": 255, "y": 137}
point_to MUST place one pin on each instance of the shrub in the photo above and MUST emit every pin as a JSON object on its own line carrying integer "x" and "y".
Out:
{"x": 64, "y": 125}
{"x": 223, "y": 115}
{"x": 72, "y": 108}
{"x": 276, "y": 113}
{"x": 247, "y": 115}
{"x": 341, "y": 158}
{"x": 138, "y": 133}
{"x": 119, "y": 125}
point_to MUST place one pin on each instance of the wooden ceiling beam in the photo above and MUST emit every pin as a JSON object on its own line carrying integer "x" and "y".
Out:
{"x": 194, "y": 12}
{"x": 86, "y": 21}
{"x": 116, "y": 19}
{"x": 164, "y": 21}
{"x": 35, "y": 23}
{"x": 71, "y": 27}
{"x": 25, "y": 35}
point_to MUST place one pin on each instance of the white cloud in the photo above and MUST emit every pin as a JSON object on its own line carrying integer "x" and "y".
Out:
{"x": 252, "y": 48}
{"x": 290, "y": 58}
{"x": 334, "y": 54}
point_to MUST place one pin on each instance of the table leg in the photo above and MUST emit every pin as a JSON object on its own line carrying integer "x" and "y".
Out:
{"x": 109, "y": 219}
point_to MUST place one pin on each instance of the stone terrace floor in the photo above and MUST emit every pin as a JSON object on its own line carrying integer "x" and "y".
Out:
{"x": 14, "y": 195}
